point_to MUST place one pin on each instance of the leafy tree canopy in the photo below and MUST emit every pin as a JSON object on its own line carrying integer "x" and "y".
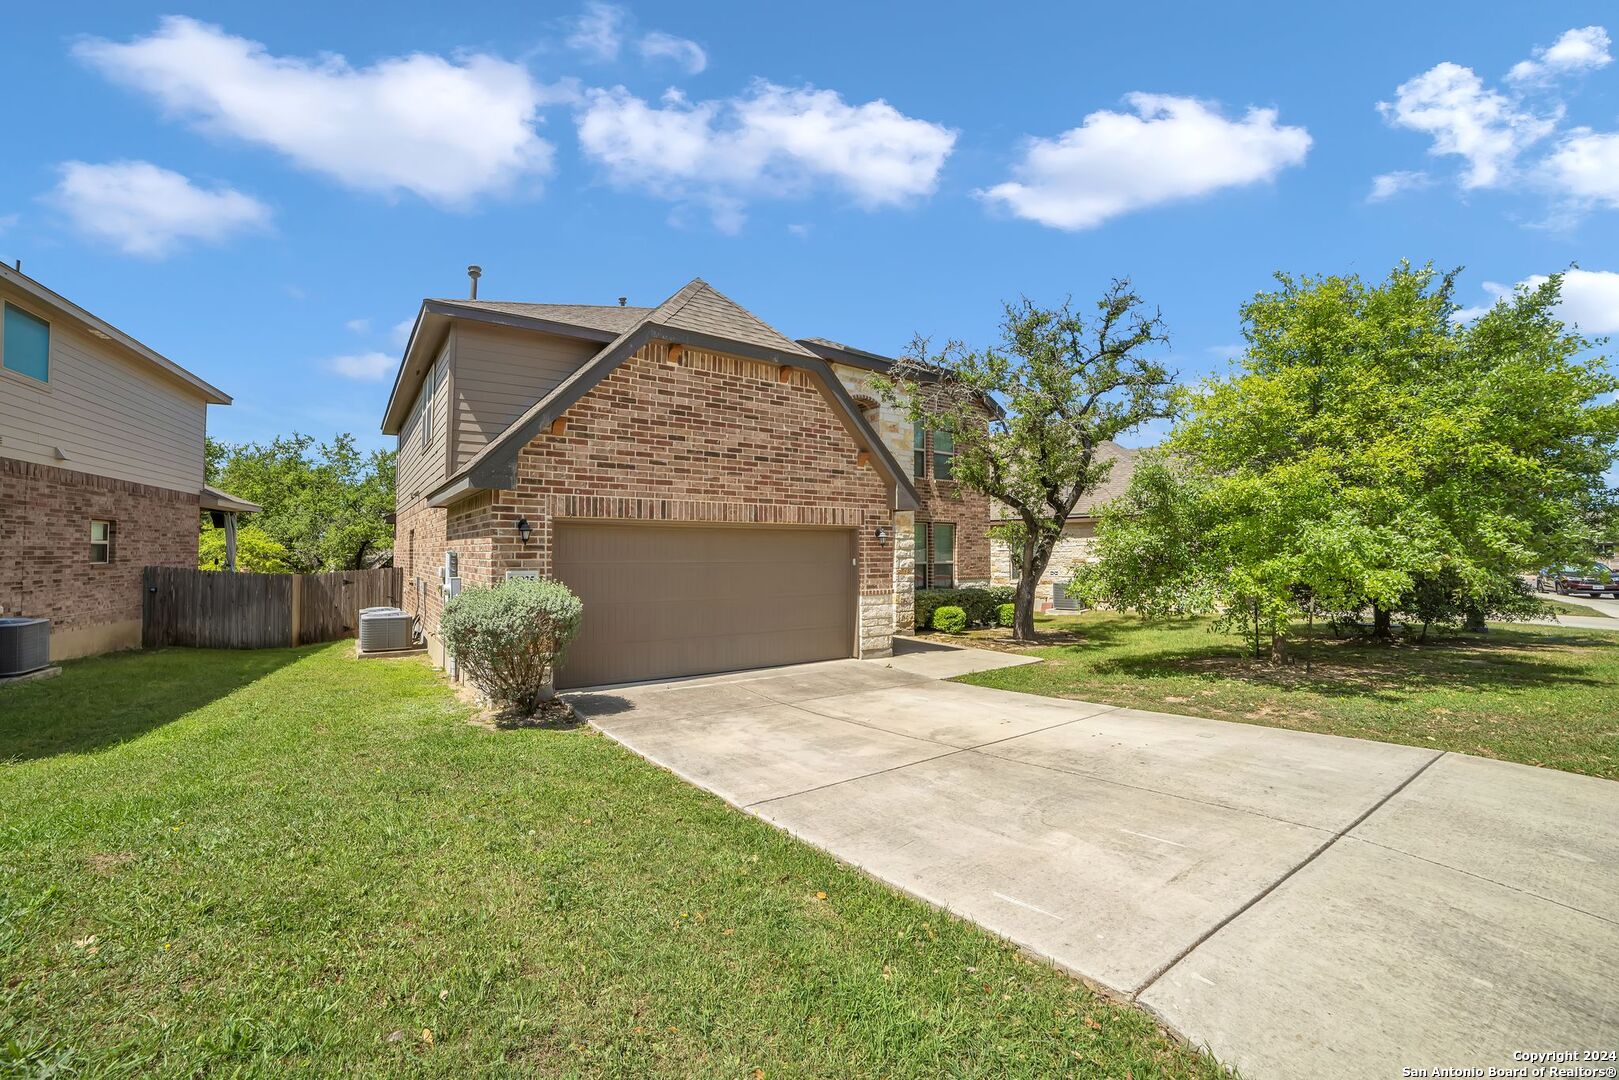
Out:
{"x": 257, "y": 552}
{"x": 1372, "y": 450}
{"x": 1062, "y": 383}
{"x": 326, "y": 504}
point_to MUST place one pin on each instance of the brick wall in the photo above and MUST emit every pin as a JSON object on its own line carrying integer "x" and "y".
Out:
{"x": 714, "y": 439}
{"x": 45, "y": 567}
{"x": 942, "y": 500}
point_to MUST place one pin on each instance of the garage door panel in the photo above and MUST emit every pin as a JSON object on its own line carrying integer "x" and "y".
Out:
{"x": 663, "y": 601}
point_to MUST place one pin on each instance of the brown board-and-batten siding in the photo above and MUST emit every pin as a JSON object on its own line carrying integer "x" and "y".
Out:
{"x": 212, "y": 609}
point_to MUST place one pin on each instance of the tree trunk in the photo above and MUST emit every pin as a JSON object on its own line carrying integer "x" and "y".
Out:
{"x": 1036, "y": 557}
{"x": 1475, "y": 619}
{"x": 1309, "y": 637}
{"x": 1278, "y": 646}
{"x": 1382, "y": 622}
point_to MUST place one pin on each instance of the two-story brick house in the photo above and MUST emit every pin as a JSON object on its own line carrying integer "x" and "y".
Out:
{"x": 711, "y": 488}
{"x": 101, "y": 468}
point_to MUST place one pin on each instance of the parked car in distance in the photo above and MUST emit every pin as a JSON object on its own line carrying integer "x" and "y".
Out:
{"x": 1593, "y": 580}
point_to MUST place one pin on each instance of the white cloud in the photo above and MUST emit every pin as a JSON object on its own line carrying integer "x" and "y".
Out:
{"x": 8, "y": 220}
{"x": 1585, "y": 167}
{"x": 445, "y": 130}
{"x": 1390, "y": 184}
{"x": 364, "y": 367}
{"x": 598, "y": 31}
{"x": 1590, "y": 299}
{"x": 149, "y": 211}
{"x": 800, "y": 230}
{"x": 770, "y": 141}
{"x": 1167, "y": 148}
{"x": 686, "y": 53}
{"x": 1584, "y": 49}
{"x": 1451, "y": 105}
{"x": 358, "y": 326}
{"x": 400, "y": 334}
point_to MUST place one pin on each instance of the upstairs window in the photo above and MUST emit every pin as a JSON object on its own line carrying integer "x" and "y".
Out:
{"x": 26, "y": 344}
{"x": 919, "y": 448}
{"x": 101, "y": 541}
{"x": 427, "y": 406}
{"x": 944, "y": 456}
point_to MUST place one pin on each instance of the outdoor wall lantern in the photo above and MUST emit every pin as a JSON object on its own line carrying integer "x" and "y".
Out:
{"x": 882, "y": 534}
{"x": 523, "y": 530}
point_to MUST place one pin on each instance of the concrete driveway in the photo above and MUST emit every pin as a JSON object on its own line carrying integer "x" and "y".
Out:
{"x": 1302, "y": 905}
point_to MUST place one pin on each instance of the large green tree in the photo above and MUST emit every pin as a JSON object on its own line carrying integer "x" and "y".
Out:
{"x": 1066, "y": 382}
{"x": 325, "y": 504}
{"x": 1372, "y": 451}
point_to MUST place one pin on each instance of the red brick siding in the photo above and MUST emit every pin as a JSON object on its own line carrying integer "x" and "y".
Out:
{"x": 968, "y": 510}
{"x": 711, "y": 439}
{"x": 45, "y": 567}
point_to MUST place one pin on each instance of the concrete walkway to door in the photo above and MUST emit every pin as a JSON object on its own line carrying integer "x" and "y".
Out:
{"x": 1302, "y": 905}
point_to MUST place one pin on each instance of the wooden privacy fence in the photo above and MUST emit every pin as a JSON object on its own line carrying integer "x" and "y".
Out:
{"x": 212, "y": 609}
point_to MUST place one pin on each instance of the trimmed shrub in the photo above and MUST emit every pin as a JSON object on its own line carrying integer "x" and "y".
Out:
{"x": 1005, "y": 614}
{"x": 949, "y": 619}
{"x": 509, "y": 639}
{"x": 978, "y": 603}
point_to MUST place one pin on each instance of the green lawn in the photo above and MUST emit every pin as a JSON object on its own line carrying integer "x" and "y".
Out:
{"x": 1540, "y": 695}
{"x": 257, "y": 863}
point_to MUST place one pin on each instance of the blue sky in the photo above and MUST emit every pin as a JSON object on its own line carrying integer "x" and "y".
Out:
{"x": 264, "y": 192}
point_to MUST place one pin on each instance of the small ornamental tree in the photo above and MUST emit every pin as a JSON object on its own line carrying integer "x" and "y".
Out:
{"x": 1064, "y": 383}
{"x": 510, "y": 639}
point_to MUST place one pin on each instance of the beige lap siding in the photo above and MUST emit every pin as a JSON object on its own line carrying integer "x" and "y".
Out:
{"x": 45, "y": 567}
{"x": 714, "y": 440}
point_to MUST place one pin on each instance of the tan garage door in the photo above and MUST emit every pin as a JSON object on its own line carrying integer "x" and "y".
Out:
{"x": 668, "y": 600}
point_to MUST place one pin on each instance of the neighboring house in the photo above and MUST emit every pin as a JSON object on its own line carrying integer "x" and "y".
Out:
{"x": 709, "y": 487}
{"x": 1078, "y": 535}
{"x": 101, "y": 468}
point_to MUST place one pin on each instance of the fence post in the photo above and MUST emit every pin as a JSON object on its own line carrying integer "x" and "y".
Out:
{"x": 297, "y": 605}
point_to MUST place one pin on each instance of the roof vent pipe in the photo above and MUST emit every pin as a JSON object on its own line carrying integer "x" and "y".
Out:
{"x": 474, "y": 272}
{"x": 623, "y": 300}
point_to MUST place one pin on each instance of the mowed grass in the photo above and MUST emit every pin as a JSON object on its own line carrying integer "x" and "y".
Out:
{"x": 263, "y": 863}
{"x": 1538, "y": 695}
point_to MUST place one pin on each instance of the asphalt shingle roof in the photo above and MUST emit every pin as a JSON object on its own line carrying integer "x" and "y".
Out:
{"x": 701, "y": 308}
{"x": 608, "y": 317}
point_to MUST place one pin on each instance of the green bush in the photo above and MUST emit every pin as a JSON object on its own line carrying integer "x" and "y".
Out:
{"x": 978, "y": 603}
{"x": 1005, "y": 614}
{"x": 949, "y": 619}
{"x": 509, "y": 639}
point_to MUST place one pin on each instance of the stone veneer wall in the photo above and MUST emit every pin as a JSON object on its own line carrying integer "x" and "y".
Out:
{"x": 45, "y": 567}
{"x": 1077, "y": 545}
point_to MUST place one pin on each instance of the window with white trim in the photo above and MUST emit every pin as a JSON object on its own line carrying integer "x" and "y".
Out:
{"x": 25, "y": 344}
{"x": 428, "y": 386}
{"x": 101, "y": 541}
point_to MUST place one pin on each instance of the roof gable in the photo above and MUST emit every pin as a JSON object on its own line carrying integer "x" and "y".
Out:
{"x": 697, "y": 315}
{"x": 701, "y": 308}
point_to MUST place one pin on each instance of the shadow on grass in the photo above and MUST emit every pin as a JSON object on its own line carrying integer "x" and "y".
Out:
{"x": 106, "y": 700}
{"x": 1354, "y": 667}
